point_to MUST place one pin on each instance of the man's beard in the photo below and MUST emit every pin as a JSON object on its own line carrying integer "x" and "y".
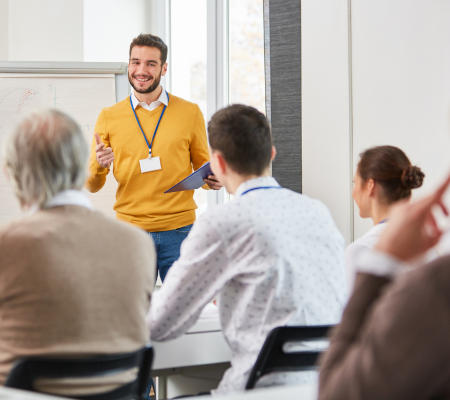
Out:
{"x": 150, "y": 89}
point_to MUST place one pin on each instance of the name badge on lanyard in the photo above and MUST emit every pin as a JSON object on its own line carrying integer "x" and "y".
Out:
{"x": 150, "y": 163}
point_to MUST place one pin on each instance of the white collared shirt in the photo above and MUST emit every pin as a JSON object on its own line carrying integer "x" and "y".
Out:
{"x": 70, "y": 197}
{"x": 358, "y": 259}
{"x": 163, "y": 99}
{"x": 369, "y": 240}
{"x": 65, "y": 198}
{"x": 274, "y": 256}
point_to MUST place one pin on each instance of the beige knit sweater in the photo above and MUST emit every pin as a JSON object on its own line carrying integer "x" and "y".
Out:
{"x": 73, "y": 283}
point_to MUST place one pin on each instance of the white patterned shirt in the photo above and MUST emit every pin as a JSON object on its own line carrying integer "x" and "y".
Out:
{"x": 275, "y": 257}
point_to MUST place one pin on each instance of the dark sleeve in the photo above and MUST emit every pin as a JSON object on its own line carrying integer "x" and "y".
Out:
{"x": 387, "y": 345}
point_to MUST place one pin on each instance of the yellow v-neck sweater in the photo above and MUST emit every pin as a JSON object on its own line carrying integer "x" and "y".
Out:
{"x": 181, "y": 145}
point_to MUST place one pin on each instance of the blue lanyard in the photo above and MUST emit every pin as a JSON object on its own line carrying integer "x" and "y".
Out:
{"x": 382, "y": 222}
{"x": 157, "y": 125}
{"x": 262, "y": 187}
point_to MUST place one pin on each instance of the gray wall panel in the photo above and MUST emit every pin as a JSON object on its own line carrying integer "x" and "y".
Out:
{"x": 283, "y": 88}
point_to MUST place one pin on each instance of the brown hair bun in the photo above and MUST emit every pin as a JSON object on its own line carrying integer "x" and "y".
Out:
{"x": 412, "y": 177}
{"x": 391, "y": 169}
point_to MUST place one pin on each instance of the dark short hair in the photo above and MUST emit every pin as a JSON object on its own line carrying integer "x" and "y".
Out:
{"x": 391, "y": 169}
{"x": 147, "y": 39}
{"x": 242, "y": 134}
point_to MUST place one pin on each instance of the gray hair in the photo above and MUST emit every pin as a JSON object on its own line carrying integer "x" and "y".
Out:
{"x": 46, "y": 154}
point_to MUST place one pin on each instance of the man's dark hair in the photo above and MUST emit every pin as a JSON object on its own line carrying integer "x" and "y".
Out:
{"x": 242, "y": 134}
{"x": 146, "y": 39}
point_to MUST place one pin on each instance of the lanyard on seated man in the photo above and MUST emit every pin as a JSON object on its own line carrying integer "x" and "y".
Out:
{"x": 150, "y": 163}
{"x": 261, "y": 187}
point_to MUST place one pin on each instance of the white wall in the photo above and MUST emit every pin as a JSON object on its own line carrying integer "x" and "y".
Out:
{"x": 111, "y": 25}
{"x": 326, "y": 130}
{"x": 45, "y": 30}
{"x": 4, "y": 14}
{"x": 75, "y": 30}
{"x": 401, "y": 83}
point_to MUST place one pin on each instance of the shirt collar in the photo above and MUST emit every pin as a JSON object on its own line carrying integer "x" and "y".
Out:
{"x": 70, "y": 197}
{"x": 262, "y": 181}
{"x": 162, "y": 99}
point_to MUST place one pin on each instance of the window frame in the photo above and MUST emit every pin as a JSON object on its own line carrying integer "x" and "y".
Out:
{"x": 217, "y": 61}
{"x": 217, "y": 84}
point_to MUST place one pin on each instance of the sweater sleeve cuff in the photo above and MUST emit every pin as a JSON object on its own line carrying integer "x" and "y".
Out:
{"x": 380, "y": 264}
{"x": 96, "y": 168}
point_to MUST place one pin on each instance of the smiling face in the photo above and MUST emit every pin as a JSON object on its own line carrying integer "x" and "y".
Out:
{"x": 145, "y": 69}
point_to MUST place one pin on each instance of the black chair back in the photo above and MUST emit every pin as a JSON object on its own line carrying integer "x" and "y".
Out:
{"x": 27, "y": 370}
{"x": 273, "y": 356}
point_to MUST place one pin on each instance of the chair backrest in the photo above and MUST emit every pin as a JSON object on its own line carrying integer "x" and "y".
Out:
{"x": 26, "y": 371}
{"x": 278, "y": 355}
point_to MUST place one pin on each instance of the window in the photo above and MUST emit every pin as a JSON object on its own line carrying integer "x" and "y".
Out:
{"x": 246, "y": 53}
{"x": 188, "y": 50}
{"x": 188, "y": 61}
{"x": 216, "y": 58}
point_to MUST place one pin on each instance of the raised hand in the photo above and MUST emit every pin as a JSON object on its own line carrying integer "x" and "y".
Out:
{"x": 412, "y": 228}
{"x": 105, "y": 155}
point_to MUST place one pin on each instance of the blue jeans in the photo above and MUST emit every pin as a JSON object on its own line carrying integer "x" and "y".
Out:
{"x": 168, "y": 245}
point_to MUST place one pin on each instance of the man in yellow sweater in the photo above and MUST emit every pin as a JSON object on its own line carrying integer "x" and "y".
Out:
{"x": 154, "y": 139}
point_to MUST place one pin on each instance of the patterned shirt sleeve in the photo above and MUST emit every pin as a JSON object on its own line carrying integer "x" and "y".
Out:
{"x": 191, "y": 283}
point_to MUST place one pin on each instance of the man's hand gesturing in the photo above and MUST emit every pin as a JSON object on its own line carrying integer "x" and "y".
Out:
{"x": 105, "y": 155}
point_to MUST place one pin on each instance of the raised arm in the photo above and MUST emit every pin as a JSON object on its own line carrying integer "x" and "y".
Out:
{"x": 101, "y": 156}
{"x": 387, "y": 346}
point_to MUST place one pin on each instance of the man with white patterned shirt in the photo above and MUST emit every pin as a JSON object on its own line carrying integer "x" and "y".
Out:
{"x": 274, "y": 257}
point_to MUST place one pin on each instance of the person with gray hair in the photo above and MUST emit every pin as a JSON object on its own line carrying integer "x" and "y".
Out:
{"x": 46, "y": 155}
{"x": 61, "y": 293}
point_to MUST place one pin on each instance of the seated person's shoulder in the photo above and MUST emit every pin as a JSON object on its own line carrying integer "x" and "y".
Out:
{"x": 225, "y": 219}
{"x": 353, "y": 249}
{"x": 437, "y": 271}
{"x": 120, "y": 229}
{"x": 22, "y": 234}
{"x": 227, "y": 212}
{"x": 309, "y": 205}
{"x": 425, "y": 283}
{"x": 46, "y": 227}
{"x": 17, "y": 229}
{"x": 313, "y": 203}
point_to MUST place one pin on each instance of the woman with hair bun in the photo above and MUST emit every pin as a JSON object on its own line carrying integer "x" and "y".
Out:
{"x": 383, "y": 177}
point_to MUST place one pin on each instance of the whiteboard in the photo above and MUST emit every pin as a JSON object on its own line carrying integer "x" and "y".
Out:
{"x": 81, "y": 95}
